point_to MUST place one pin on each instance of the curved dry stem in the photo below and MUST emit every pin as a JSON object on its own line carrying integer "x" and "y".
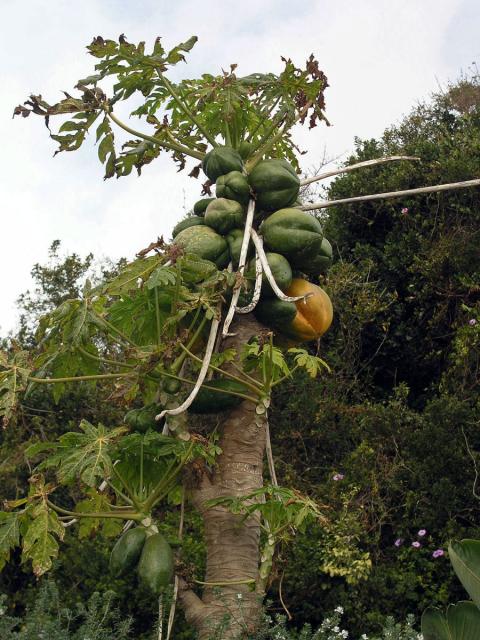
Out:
{"x": 257, "y": 241}
{"x": 241, "y": 268}
{"x": 392, "y": 194}
{"x": 201, "y": 376}
{"x": 258, "y": 287}
{"x": 353, "y": 167}
{"x": 268, "y": 450}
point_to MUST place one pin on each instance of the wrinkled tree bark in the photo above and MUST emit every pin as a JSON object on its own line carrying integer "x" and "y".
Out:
{"x": 229, "y": 606}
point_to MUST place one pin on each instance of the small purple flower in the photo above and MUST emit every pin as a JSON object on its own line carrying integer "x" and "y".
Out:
{"x": 338, "y": 476}
{"x": 416, "y": 544}
{"x": 398, "y": 542}
{"x": 404, "y": 211}
{"x": 438, "y": 553}
{"x": 421, "y": 533}
{"x": 472, "y": 322}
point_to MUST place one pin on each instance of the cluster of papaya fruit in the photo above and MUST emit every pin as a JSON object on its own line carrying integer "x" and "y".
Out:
{"x": 296, "y": 248}
{"x": 151, "y": 555}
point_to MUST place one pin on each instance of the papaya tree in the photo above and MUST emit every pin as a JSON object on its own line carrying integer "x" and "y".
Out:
{"x": 190, "y": 338}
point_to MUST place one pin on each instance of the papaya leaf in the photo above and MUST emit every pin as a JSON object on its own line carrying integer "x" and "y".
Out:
{"x": 94, "y": 503}
{"x": 13, "y": 380}
{"x": 9, "y": 533}
{"x": 132, "y": 276}
{"x": 40, "y": 539}
{"x": 81, "y": 456}
{"x": 161, "y": 277}
{"x": 175, "y": 55}
{"x": 284, "y": 510}
{"x": 312, "y": 364}
{"x": 219, "y": 358}
{"x": 265, "y": 358}
{"x": 155, "y": 444}
{"x": 195, "y": 269}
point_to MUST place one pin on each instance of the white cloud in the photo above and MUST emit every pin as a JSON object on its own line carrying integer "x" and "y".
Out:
{"x": 380, "y": 57}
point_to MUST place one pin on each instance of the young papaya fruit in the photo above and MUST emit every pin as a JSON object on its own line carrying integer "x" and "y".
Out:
{"x": 245, "y": 149}
{"x": 156, "y": 566}
{"x": 233, "y": 186}
{"x": 192, "y": 221}
{"x": 281, "y": 271}
{"x": 293, "y": 233}
{"x": 209, "y": 401}
{"x": 200, "y": 206}
{"x": 275, "y": 184}
{"x": 320, "y": 263}
{"x": 223, "y": 215}
{"x": 235, "y": 239}
{"x": 126, "y": 552}
{"x": 221, "y": 160}
{"x": 143, "y": 419}
{"x": 205, "y": 243}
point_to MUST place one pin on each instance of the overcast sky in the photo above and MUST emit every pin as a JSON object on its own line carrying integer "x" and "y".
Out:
{"x": 381, "y": 57}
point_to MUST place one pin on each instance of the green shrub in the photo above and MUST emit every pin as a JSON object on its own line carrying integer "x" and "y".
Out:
{"x": 49, "y": 619}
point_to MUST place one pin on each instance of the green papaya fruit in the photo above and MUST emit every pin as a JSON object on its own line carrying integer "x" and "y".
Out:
{"x": 200, "y": 206}
{"x": 233, "y": 186}
{"x": 141, "y": 420}
{"x": 126, "y": 552}
{"x": 275, "y": 184}
{"x": 245, "y": 149}
{"x": 156, "y": 565}
{"x": 320, "y": 263}
{"x": 209, "y": 401}
{"x": 235, "y": 239}
{"x": 295, "y": 234}
{"x": 205, "y": 243}
{"x": 281, "y": 271}
{"x": 192, "y": 221}
{"x": 171, "y": 385}
{"x": 221, "y": 160}
{"x": 276, "y": 314}
{"x": 223, "y": 215}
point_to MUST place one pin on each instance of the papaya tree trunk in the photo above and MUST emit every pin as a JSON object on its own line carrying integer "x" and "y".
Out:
{"x": 231, "y": 601}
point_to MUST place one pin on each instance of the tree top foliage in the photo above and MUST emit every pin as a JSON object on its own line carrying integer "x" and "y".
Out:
{"x": 187, "y": 117}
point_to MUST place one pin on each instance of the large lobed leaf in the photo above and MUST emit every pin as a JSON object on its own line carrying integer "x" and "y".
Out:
{"x": 40, "y": 540}
{"x": 9, "y": 533}
{"x": 14, "y": 375}
{"x": 80, "y": 456}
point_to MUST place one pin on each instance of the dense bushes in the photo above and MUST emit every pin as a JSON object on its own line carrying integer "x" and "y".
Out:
{"x": 398, "y": 419}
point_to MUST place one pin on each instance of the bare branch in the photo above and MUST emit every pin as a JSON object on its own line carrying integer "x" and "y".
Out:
{"x": 258, "y": 287}
{"x": 352, "y": 167}
{"x": 201, "y": 376}
{"x": 268, "y": 449}
{"x": 392, "y": 194}
{"x": 241, "y": 268}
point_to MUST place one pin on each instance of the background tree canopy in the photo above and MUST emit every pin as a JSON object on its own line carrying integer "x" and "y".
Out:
{"x": 389, "y": 441}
